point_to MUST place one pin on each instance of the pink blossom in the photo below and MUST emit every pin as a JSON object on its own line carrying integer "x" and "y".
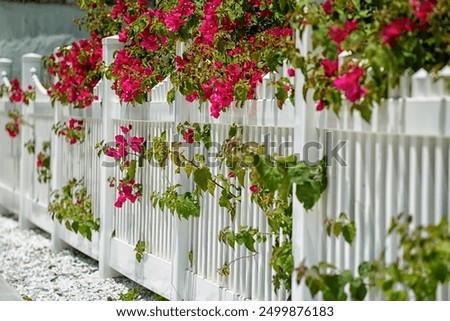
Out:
{"x": 327, "y": 6}
{"x": 349, "y": 84}
{"x": 351, "y": 25}
{"x": 330, "y": 67}
{"x": 188, "y": 136}
{"x": 125, "y": 129}
{"x": 391, "y": 33}
{"x": 320, "y": 105}
{"x": 72, "y": 141}
{"x": 136, "y": 143}
{"x": 231, "y": 175}
{"x": 337, "y": 34}
{"x": 291, "y": 72}
{"x": 423, "y": 9}
{"x": 254, "y": 188}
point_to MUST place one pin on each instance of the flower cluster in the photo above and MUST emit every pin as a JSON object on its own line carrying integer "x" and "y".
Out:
{"x": 386, "y": 38}
{"x": 124, "y": 147}
{"x": 43, "y": 163}
{"x": 220, "y": 66}
{"x": 16, "y": 94}
{"x": 146, "y": 58}
{"x": 128, "y": 190}
{"x": 72, "y": 130}
{"x": 77, "y": 69}
{"x": 228, "y": 56}
{"x": 13, "y": 126}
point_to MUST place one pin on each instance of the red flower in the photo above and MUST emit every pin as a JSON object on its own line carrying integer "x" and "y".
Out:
{"x": 189, "y": 136}
{"x": 348, "y": 83}
{"x": 72, "y": 141}
{"x": 291, "y": 72}
{"x": 254, "y": 189}
{"x": 231, "y": 175}
{"x": 391, "y": 33}
{"x": 320, "y": 106}
{"x": 125, "y": 129}
{"x": 351, "y": 25}
{"x": 330, "y": 67}
{"x": 337, "y": 34}
{"x": 327, "y": 6}
{"x": 423, "y": 9}
{"x": 136, "y": 143}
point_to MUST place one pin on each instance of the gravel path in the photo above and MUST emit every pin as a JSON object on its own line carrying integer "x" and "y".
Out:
{"x": 29, "y": 266}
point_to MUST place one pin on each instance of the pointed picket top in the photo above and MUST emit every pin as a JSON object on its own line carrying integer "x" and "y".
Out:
{"x": 444, "y": 72}
{"x": 420, "y": 74}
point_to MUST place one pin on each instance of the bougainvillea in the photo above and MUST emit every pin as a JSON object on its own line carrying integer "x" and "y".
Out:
{"x": 378, "y": 43}
{"x": 127, "y": 150}
{"x": 13, "y": 126}
{"x": 230, "y": 47}
{"x": 72, "y": 130}
{"x": 77, "y": 69}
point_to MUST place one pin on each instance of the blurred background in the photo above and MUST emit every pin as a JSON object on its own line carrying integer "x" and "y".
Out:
{"x": 36, "y": 26}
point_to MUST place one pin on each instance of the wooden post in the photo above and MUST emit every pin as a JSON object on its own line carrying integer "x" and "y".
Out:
{"x": 180, "y": 250}
{"x": 306, "y": 235}
{"x": 107, "y": 196}
{"x": 30, "y": 63}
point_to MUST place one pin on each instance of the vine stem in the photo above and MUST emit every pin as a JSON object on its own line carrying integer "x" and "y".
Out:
{"x": 212, "y": 180}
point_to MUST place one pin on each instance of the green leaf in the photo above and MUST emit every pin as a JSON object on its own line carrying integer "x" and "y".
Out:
{"x": 337, "y": 228}
{"x": 358, "y": 289}
{"x": 201, "y": 177}
{"x": 211, "y": 187}
{"x": 131, "y": 172}
{"x": 349, "y": 232}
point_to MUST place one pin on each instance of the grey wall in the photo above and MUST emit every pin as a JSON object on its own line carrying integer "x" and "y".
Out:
{"x": 39, "y": 28}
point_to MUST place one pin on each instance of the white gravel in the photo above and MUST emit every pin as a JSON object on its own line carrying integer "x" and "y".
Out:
{"x": 28, "y": 265}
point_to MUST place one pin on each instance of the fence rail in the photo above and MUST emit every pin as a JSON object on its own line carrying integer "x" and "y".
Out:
{"x": 398, "y": 163}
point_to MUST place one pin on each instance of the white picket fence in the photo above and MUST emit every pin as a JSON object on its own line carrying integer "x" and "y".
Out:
{"x": 398, "y": 163}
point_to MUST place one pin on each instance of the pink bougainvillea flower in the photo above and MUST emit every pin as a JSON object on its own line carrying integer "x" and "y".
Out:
{"x": 120, "y": 140}
{"x": 327, "y": 6}
{"x": 194, "y": 96}
{"x": 136, "y": 143}
{"x": 188, "y": 136}
{"x": 390, "y": 33}
{"x": 337, "y": 34}
{"x": 254, "y": 188}
{"x": 291, "y": 72}
{"x": 320, "y": 105}
{"x": 231, "y": 175}
{"x": 120, "y": 200}
{"x": 72, "y": 141}
{"x": 349, "y": 84}
{"x": 351, "y": 25}
{"x": 423, "y": 9}
{"x": 330, "y": 67}
{"x": 126, "y": 129}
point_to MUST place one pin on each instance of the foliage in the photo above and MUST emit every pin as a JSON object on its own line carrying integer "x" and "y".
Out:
{"x": 30, "y": 146}
{"x": 139, "y": 249}
{"x": 380, "y": 41}
{"x": 72, "y": 206}
{"x": 125, "y": 147}
{"x": 13, "y": 126}
{"x": 271, "y": 179}
{"x": 231, "y": 45}
{"x": 421, "y": 265}
{"x": 341, "y": 226}
{"x": 78, "y": 70}
{"x": 43, "y": 163}
{"x": 73, "y": 130}
{"x": 15, "y": 92}
{"x": 131, "y": 295}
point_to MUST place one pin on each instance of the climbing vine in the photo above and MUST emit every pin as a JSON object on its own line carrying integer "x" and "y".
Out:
{"x": 72, "y": 206}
